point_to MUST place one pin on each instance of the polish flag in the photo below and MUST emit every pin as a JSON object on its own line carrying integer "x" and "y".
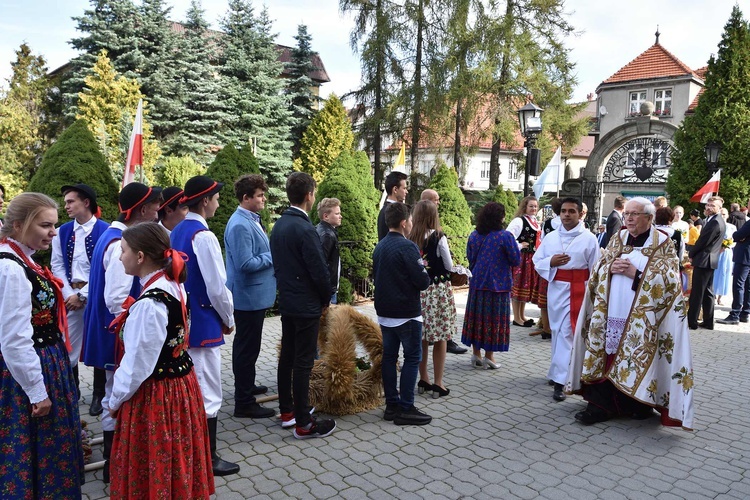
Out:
{"x": 135, "y": 151}
{"x": 707, "y": 191}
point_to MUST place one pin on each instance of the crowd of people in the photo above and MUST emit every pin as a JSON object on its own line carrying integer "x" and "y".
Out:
{"x": 116, "y": 299}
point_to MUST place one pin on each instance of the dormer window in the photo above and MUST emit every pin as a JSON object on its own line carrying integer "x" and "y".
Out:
{"x": 663, "y": 102}
{"x": 636, "y": 99}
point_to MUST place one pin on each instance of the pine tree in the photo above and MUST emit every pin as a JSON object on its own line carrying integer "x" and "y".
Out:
{"x": 350, "y": 180}
{"x": 253, "y": 93}
{"x": 201, "y": 121}
{"x": 455, "y": 216}
{"x": 74, "y": 158}
{"x": 108, "y": 103}
{"x": 225, "y": 168}
{"x": 302, "y": 101}
{"x": 722, "y": 115}
{"x": 329, "y": 134}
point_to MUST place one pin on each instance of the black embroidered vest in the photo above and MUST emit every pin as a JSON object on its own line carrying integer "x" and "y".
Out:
{"x": 174, "y": 360}
{"x": 43, "y": 306}
{"x": 528, "y": 235}
{"x": 435, "y": 267}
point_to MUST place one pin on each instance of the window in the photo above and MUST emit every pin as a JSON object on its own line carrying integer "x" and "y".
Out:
{"x": 636, "y": 99}
{"x": 663, "y": 102}
{"x": 513, "y": 170}
{"x": 485, "y": 174}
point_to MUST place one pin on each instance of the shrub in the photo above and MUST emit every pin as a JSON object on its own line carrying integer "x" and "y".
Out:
{"x": 176, "y": 170}
{"x": 74, "y": 158}
{"x": 225, "y": 168}
{"x": 455, "y": 216}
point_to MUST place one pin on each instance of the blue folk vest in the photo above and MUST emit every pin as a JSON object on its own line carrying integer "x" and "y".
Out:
{"x": 68, "y": 243}
{"x": 205, "y": 323}
{"x": 98, "y": 342}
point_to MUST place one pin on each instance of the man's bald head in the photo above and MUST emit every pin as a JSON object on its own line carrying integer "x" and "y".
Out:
{"x": 430, "y": 195}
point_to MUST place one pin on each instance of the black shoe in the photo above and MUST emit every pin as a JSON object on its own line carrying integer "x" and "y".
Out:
{"x": 643, "y": 414}
{"x": 95, "y": 408}
{"x": 391, "y": 411}
{"x": 705, "y": 326}
{"x": 546, "y": 336}
{"x": 728, "y": 321}
{"x": 254, "y": 411}
{"x": 744, "y": 319}
{"x": 412, "y": 416}
{"x": 318, "y": 428}
{"x": 439, "y": 392}
{"x": 219, "y": 466}
{"x": 558, "y": 395}
{"x": 454, "y": 348}
{"x": 693, "y": 327}
{"x": 258, "y": 390}
{"x": 528, "y": 323}
{"x": 590, "y": 417}
{"x": 423, "y": 386}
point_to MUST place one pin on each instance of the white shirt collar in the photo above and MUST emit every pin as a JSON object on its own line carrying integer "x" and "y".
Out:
{"x": 28, "y": 251}
{"x": 86, "y": 225}
{"x": 198, "y": 217}
{"x": 298, "y": 208}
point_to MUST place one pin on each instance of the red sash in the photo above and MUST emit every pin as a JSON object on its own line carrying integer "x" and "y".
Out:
{"x": 577, "y": 279}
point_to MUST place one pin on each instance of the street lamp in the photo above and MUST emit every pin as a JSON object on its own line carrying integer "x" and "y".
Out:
{"x": 530, "y": 119}
{"x": 712, "y": 151}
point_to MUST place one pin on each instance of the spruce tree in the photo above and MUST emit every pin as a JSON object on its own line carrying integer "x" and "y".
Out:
{"x": 201, "y": 121}
{"x": 350, "y": 180}
{"x": 225, "y": 168}
{"x": 253, "y": 93}
{"x": 302, "y": 101}
{"x": 455, "y": 216}
{"x": 329, "y": 134}
{"x": 722, "y": 115}
{"x": 74, "y": 158}
{"x": 108, "y": 103}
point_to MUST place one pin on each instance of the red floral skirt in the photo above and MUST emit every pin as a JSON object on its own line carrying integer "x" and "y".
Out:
{"x": 543, "y": 285}
{"x": 161, "y": 447}
{"x": 525, "y": 280}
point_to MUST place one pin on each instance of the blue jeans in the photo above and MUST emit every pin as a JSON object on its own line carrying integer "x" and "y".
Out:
{"x": 740, "y": 292}
{"x": 410, "y": 336}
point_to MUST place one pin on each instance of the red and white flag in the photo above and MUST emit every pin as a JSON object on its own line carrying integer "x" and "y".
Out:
{"x": 135, "y": 151}
{"x": 707, "y": 191}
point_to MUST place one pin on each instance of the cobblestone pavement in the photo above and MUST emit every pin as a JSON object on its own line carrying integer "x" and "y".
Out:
{"x": 498, "y": 435}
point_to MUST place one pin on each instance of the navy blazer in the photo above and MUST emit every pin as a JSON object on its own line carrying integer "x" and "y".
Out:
{"x": 250, "y": 275}
{"x": 741, "y": 254}
{"x": 613, "y": 225}
{"x": 705, "y": 252}
{"x": 301, "y": 270}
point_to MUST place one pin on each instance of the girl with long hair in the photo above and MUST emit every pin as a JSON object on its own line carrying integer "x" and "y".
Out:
{"x": 526, "y": 230}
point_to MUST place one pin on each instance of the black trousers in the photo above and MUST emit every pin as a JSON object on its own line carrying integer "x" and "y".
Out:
{"x": 100, "y": 380}
{"x": 702, "y": 295}
{"x": 299, "y": 339}
{"x": 245, "y": 351}
{"x": 606, "y": 397}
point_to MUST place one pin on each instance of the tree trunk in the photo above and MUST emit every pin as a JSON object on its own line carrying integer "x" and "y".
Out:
{"x": 495, "y": 161}
{"x": 457, "y": 140}
{"x": 418, "y": 91}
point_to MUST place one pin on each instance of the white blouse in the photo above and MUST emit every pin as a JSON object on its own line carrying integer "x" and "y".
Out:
{"x": 144, "y": 334}
{"x": 16, "y": 343}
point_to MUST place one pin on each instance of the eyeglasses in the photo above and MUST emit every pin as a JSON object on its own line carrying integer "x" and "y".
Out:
{"x": 627, "y": 215}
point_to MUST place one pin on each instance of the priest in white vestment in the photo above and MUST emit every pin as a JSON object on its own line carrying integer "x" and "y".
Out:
{"x": 565, "y": 258}
{"x": 631, "y": 352}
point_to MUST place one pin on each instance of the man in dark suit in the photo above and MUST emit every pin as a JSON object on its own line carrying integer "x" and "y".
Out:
{"x": 705, "y": 259}
{"x": 396, "y": 191}
{"x": 304, "y": 290}
{"x": 740, "y": 312}
{"x": 736, "y": 216}
{"x": 253, "y": 286}
{"x": 614, "y": 221}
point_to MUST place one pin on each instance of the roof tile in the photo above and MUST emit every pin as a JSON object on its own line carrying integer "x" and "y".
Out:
{"x": 655, "y": 62}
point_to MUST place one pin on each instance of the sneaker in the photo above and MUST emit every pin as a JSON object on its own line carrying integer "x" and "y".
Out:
{"x": 728, "y": 321}
{"x": 412, "y": 416}
{"x": 318, "y": 429}
{"x": 288, "y": 420}
{"x": 391, "y": 410}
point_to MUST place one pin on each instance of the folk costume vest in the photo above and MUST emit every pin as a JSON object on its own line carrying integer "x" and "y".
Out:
{"x": 529, "y": 234}
{"x": 68, "y": 243}
{"x": 98, "y": 342}
{"x": 205, "y": 323}
{"x": 435, "y": 267}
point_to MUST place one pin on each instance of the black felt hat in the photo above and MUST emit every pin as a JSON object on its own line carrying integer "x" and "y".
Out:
{"x": 84, "y": 191}
{"x": 197, "y": 188}
{"x": 171, "y": 197}
{"x": 135, "y": 195}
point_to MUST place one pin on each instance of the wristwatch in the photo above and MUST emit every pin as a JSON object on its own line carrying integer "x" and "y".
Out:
{"x": 81, "y": 297}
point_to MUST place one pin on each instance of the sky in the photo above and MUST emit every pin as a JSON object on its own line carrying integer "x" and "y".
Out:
{"x": 609, "y": 33}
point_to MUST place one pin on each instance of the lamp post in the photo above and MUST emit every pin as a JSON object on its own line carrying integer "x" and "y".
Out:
{"x": 712, "y": 152}
{"x": 530, "y": 120}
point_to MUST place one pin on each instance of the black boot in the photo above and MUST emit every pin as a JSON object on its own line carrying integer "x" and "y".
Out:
{"x": 109, "y": 436}
{"x": 220, "y": 467}
{"x": 77, "y": 381}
